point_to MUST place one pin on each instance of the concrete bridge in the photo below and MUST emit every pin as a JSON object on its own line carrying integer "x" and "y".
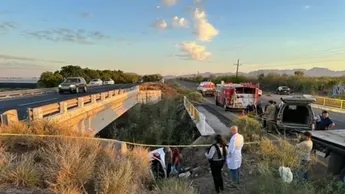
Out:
{"x": 89, "y": 113}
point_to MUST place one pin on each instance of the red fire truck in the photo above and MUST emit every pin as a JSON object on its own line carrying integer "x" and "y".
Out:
{"x": 237, "y": 96}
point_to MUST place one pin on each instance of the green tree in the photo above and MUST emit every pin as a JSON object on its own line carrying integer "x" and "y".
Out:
{"x": 49, "y": 79}
{"x": 299, "y": 73}
{"x": 72, "y": 71}
{"x": 152, "y": 78}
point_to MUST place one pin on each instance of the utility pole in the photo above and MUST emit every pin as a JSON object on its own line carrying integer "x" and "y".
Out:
{"x": 237, "y": 65}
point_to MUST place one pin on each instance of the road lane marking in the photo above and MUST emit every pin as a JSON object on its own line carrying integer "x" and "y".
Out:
{"x": 36, "y": 102}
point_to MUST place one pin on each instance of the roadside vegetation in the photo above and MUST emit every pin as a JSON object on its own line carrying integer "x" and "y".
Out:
{"x": 53, "y": 79}
{"x": 262, "y": 161}
{"x": 71, "y": 164}
{"x": 68, "y": 164}
{"x": 166, "y": 121}
{"x": 298, "y": 82}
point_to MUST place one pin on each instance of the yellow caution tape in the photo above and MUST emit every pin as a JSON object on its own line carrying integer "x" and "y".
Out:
{"x": 126, "y": 142}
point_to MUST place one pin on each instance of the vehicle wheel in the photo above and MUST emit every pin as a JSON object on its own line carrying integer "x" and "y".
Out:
{"x": 60, "y": 92}
{"x": 85, "y": 89}
{"x": 77, "y": 90}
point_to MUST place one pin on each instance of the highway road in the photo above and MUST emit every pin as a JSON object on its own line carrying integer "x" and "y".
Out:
{"x": 337, "y": 118}
{"x": 23, "y": 103}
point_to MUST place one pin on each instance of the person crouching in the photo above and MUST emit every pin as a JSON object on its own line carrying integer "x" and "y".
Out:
{"x": 217, "y": 156}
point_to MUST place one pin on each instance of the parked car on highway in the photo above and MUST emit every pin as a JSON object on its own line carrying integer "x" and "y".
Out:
{"x": 108, "y": 82}
{"x": 73, "y": 85}
{"x": 296, "y": 114}
{"x": 283, "y": 90}
{"x": 206, "y": 88}
{"x": 96, "y": 82}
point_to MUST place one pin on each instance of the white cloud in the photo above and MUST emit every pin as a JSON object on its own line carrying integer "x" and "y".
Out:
{"x": 194, "y": 51}
{"x": 203, "y": 29}
{"x": 307, "y": 7}
{"x": 160, "y": 24}
{"x": 169, "y": 2}
{"x": 180, "y": 22}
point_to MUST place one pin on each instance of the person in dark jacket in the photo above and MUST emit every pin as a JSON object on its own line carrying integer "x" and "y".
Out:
{"x": 168, "y": 159}
{"x": 324, "y": 122}
{"x": 217, "y": 156}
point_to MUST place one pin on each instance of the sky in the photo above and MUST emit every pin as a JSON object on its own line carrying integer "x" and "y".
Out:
{"x": 170, "y": 37}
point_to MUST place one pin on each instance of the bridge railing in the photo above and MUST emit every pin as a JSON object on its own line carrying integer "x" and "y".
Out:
{"x": 65, "y": 106}
{"x": 330, "y": 102}
{"x": 198, "y": 118}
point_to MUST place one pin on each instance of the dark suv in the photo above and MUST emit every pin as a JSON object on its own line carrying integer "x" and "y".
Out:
{"x": 73, "y": 85}
{"x": 283, "y": 90}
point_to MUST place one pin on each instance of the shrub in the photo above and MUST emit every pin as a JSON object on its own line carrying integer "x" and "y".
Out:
{"x": 249, "y": 128}
{"x": 70, "y": 165}
{"x": 195, "y": 97}
{"x": 19, "y": 170}
{"x": 166, "y": 120}
{"x": 175, "y": 186}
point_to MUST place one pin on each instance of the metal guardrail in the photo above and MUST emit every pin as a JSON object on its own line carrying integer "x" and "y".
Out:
{"x": 194, "y": 113}
{"x": 64, "y": 106}
{"x": 17, "y": 93}
{"x": 330, "y": 102}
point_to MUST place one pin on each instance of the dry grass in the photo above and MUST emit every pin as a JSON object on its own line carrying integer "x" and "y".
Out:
{"x": 167, "y": 90}
{"x": 69, "y": 165}
{"x": 175, "y": 186}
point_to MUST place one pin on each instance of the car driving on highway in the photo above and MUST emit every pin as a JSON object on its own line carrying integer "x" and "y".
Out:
{"x": 283, "y": 90}
{"x": 108, "y": 82}
{"x": 206, "y": 88}
{"x": 73, "y": 85}
{"x": 96, "y": 82}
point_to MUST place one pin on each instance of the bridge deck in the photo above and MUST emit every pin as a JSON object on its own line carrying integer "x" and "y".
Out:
{"x": 336, "y": 136}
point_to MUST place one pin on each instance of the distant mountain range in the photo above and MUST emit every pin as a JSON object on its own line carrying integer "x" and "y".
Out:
{"x": 314, "y": 72}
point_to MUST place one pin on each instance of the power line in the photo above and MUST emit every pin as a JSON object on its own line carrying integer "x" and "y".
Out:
{"x": 237, "y": 66}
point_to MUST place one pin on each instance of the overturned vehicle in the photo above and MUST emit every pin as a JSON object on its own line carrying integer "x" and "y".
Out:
{"x": 158, "y": 168}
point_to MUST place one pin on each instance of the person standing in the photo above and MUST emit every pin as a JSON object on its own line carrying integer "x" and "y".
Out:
{"x": 234, "y": 155}
{"x": 281, "y": 103}
{"x": 325, "y": 122}
{"x": 217, "y": 156}
{"x": 305, "y": 147}
{"x": 270, "y": 116}
{"x": 168, "y": 159}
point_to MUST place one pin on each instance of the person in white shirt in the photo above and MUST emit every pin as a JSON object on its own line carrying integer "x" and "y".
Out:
{"x": 281, "y": 103}
{"x": 234, "y": 155}
{"x": 305, "y": 148}
{"x": 217, "y": 155}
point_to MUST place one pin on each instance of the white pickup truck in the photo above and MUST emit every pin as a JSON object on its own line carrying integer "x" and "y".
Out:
{"x": 206, "y": 88}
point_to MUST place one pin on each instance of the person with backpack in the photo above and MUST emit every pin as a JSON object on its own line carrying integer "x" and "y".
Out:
{"x": 217, "y": 156}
